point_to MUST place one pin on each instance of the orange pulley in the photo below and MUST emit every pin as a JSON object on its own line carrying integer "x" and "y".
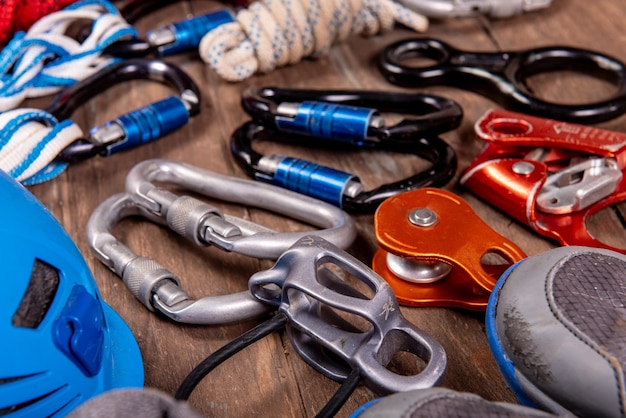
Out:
{"x": 434, "y": 249}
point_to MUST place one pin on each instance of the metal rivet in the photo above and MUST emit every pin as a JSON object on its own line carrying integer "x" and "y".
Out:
{"x": 523, "y": 168}
{"x": 423, "y": 217}
{"x": 417, "y": 271}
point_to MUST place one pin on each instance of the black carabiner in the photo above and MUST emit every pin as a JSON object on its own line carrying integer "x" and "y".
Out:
{"x": 501, "y": 76}
{"x": 352, "y": 118}
{"x": 134, "y": 128}
{"x": 175, "y": 38}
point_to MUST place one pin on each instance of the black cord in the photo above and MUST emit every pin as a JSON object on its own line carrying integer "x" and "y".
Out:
{"x": 248, "y": 338}
{"x": 341, "y": 396}
{"x": 230, "y": 349}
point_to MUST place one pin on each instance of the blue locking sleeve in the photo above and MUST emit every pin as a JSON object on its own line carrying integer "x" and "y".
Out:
{"x": 149, "y": 123}
{"x": 312, "y": 179}
{"x": 189, "y": 32}
{"x": 329, "y": 120}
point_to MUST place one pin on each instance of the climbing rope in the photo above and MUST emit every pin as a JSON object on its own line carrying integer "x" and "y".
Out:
{"x": 274, "y": 33}
{"x": 268, "y": 34}
{"x": 46, "y": 58}
{"x": 41, "y": 62}
{"x": 30, "y": 139}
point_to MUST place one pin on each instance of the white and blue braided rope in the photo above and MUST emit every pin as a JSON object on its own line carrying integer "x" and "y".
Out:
{"x": 269, "y": 34}
{"x": 41, "y": 62}
{"x": 46, "y": 59}
{"x": 273, "y": 33}
{"x": 30, "y": 140}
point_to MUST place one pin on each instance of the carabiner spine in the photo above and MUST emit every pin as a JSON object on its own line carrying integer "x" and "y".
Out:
{"x": 212, "y": 310}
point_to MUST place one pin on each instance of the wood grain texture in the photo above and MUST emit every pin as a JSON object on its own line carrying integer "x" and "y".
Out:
{"x": 269, "y": 378}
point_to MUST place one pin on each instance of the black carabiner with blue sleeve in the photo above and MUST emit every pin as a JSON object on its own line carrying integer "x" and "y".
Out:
{"x": 134, "y": 128}
{"x": 175, "y": 38}
{"x": 351, "y": 118}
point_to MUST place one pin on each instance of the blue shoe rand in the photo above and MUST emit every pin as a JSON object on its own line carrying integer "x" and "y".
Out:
{"x": 556, "y": 324}
{"x": 443, "y": 403}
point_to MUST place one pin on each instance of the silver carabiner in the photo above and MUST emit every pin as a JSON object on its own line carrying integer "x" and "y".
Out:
{"x": 154, "y": 285}
{"x": 442, "y": 9}
{"x": 314, "y": 297}
{"x": 159, "y": 289}
{"x": 204, "y": 224}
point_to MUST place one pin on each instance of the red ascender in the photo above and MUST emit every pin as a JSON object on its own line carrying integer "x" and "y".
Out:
{"x": 550, "y": 175}
{"x": 433, "y": 248}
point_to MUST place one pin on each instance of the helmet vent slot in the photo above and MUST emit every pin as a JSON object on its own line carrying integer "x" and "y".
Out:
{"x": 17, "y": 407}
{"x": 42, "y": 287}
{"x": 6, "y": 380}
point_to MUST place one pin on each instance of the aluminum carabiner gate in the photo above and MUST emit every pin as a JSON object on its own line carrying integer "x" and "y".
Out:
{"x": 134, "y": 128}
{"x": 157, "y": 288}
{"x": 346, "y": 117}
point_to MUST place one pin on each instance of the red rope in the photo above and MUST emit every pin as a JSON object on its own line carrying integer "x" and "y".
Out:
{"x": 16, "y": 15}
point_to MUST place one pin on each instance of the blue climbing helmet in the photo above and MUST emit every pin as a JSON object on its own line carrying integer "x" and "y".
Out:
{"x": 61, "y": 344}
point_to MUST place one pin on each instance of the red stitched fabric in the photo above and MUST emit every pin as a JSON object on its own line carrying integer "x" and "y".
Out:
{"x": 18, "y": 15}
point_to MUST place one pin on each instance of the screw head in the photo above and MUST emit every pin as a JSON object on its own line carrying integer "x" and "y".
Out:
{"x": 523, "y": 168}
{"x": 423, "y": 217}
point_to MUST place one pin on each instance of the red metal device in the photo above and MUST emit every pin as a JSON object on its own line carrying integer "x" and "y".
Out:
{"x": 433, "y": 248}
{"x": 550, "y": 175}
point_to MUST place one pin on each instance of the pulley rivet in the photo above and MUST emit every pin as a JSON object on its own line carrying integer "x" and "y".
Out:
{"x": 523, "y": 168}
{"x": 423, "y": 217}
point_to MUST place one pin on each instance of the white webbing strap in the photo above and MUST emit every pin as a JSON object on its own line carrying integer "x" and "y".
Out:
{"x": 46, "y": 59}
{"x": 30, "y": 139}
{"x": 274, "y": 33}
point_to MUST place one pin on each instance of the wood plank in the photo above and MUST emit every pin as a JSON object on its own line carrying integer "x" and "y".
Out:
{"x": 269, "y": 378}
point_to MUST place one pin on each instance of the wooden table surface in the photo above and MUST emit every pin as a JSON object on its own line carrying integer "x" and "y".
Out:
{"x": 269, "y": 378}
